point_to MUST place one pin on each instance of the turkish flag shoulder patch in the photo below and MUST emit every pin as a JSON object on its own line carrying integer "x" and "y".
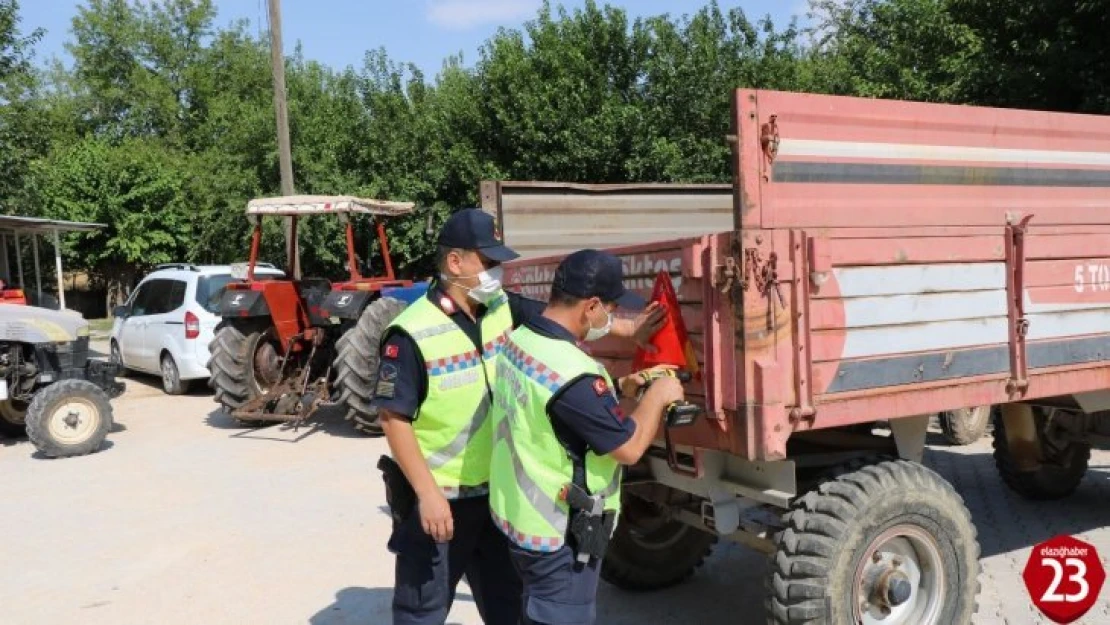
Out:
{"x": 600, "y": 387}
{"x": 392, "y": 351}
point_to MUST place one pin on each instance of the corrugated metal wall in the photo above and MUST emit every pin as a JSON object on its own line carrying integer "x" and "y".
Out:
{"x": 554, "y": 218}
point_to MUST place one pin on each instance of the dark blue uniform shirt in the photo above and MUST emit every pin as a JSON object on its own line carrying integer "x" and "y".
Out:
{"x": 584, "y": 414}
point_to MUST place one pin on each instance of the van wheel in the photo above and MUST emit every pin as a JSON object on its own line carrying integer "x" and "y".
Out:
{"x": 890, "y": 542}
{"x": 172, "y": 383}
{"x": 116, "y": 358}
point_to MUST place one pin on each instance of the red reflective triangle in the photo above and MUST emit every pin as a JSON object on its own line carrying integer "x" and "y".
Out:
{"x": 671, "y": 342}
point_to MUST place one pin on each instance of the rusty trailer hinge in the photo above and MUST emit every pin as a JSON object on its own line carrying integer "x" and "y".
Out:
{"x": 769, "y": 139}
{"x": 728, "y": 276}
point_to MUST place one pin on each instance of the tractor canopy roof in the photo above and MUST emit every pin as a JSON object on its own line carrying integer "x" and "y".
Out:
{"x": 326, "y": 204}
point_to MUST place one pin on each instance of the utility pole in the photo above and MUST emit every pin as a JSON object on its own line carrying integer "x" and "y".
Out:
{"x": 285, "y": 157}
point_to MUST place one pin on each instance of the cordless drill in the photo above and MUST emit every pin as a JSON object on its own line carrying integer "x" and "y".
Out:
{"x": 678, "y": 413}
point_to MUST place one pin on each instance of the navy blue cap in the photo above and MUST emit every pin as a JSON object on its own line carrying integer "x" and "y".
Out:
{"x": 592, "y": 273}
{"x": 474, "y": 229}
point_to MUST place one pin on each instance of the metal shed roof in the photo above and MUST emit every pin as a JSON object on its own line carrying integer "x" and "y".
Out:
{"x": 10, "y": 224}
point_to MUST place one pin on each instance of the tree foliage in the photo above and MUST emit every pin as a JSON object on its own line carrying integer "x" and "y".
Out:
{"x": 164, "y": 126}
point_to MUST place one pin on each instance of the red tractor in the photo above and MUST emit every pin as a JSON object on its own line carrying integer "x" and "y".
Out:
{"x": 286, "y": 347}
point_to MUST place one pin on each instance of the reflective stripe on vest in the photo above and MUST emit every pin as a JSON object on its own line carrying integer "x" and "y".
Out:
{"x": 451, "y": 424}
{"x": 530, "y": 467}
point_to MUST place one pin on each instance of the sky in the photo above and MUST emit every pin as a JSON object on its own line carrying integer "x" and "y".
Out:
{"x": 424, "y": 32}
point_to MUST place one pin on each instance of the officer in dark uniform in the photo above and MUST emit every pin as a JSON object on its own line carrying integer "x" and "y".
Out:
{"x": 558, "y": 430}
{"x": 433, "y": 393}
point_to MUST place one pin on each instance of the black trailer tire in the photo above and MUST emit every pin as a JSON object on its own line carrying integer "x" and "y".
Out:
{"x": 881, "y": 524}
{"x": 69, "y": 418}
{"x": 651, "y": 552}
{"x": 1061, "y": 470}
{"x": 232, "y": 368}
{"x": 965, "y": 425}
{"x": 13, "y": 418}
{"x": 357, "y": 360}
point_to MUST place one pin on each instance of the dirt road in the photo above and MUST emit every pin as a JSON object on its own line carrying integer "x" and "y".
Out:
{"x": 189, "y": 519}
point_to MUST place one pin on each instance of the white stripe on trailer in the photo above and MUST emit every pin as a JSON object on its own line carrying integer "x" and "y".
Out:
{"x": 919, "y": 279}
{"x": 915, "y": 308}
{"x": 955, "y": 153}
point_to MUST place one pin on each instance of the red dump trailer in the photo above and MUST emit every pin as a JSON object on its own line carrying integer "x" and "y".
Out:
{"x": 873, "y": 261}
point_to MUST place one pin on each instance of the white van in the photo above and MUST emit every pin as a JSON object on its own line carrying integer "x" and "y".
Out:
{"x": 169, "y": 320}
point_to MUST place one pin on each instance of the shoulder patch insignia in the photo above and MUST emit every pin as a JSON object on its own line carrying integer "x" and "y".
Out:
{"x": 392, "y": 351}
{"x": 447, "y": 305}
{"x": 387, "y": 372}
{"x": 600, "y": 387}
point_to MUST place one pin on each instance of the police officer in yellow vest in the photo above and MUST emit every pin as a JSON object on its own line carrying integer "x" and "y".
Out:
{"x": 560, "y": 439}
{"x": 433, "y": 394}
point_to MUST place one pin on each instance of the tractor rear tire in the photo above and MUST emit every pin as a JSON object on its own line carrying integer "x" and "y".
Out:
{"x": 356, "y": 365}
{"x": 1062, "y": 469}
{"x": 649, "y": 551}
{"x": 69, "y": 418}
{"x": 232, "y": 367}
{"x": 13, "y": 417}
{"x": 966, "y": 425}
{"x": 891, "y": 540}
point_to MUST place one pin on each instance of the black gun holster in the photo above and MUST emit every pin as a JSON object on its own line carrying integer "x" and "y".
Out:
{"x": 590, "y": 533}
{"x": 399, "y": 494}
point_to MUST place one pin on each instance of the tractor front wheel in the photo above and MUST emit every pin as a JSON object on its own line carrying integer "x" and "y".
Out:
{"x": 69, "y": 418}
{"x": 356, "y": 365}
{"x": 245, "y": 364}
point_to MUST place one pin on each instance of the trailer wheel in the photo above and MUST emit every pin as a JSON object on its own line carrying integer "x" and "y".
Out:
{"x": 888, "y": 543}
{"x": 649, "y": 550}
{"x": 356, "y": 365}
{"x": 69, "y": 418}
{"x": 966, "y": 425}
{"x": 1063, "y": 463}
{"x": 245, "y": 364}
{"x": 13, "y": 416}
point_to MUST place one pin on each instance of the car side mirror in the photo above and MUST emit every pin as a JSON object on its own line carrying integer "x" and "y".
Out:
{"x": 121, "y": 312}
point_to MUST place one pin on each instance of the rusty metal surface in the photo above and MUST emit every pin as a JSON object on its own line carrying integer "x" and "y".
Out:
{"x": 544, "y": 218}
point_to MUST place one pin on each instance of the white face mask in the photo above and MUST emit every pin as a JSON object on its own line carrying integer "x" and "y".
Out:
{"x": 489, "y": 285}
{"x": 594, "y": 334}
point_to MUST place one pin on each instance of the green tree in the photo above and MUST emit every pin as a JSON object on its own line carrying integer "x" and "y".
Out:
{"x": 20, "y": 113}
{"x": 135, "y": 187}
{"x": 691, "y": 70}
{"x": 902, "y": 49}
